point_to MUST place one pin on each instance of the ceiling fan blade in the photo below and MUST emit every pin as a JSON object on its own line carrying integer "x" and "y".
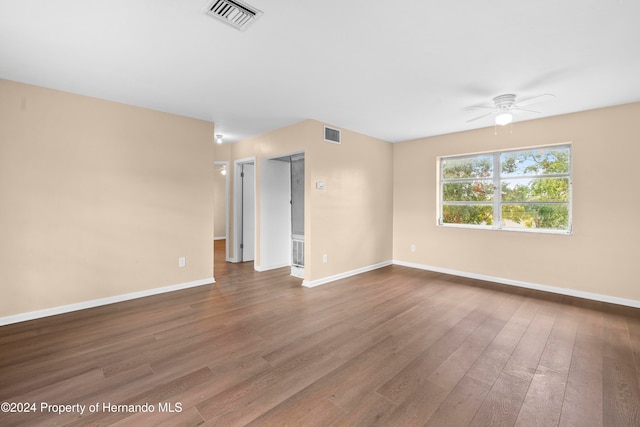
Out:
{"x": 535, "y": 99}
{"x": 471, "y": 107}
{"x": 518, "y": 108}
{"x": 480, "y": 117}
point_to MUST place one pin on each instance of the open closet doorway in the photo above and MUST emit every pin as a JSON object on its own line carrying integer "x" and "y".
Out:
{"x": 282, "y": 213}
{"x": 221, "y": 204}
{"x": 244, "y": 210}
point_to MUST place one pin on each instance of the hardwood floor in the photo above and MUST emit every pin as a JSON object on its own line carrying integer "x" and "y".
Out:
{"x": 392, "y": 347}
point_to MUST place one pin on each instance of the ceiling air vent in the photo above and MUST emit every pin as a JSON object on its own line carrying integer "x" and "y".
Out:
{"x": 331, "y": 135}
{"x": 233, "y": 12}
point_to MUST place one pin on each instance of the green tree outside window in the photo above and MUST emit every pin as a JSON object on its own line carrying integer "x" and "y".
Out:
{"x": 534, "y": 189}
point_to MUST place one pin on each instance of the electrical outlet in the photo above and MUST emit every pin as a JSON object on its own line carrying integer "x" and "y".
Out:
{"x": 182, "y": 262}
{"x": 324, "y": 258}
{"x": 413, "y": 248}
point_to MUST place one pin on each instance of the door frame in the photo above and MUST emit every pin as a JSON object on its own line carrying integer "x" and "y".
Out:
{"x": 265, "y": 219}
{"x": 237, "y": 208}
{"x": 227, "y": 179}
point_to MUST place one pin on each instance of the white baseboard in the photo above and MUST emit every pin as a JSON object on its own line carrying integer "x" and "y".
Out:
{"x": 23, "y": 317}
{"x": 297, "y": 272}
{"x": 528, "y": 285}
{"x": 318, "y": 282}
{"x": 271, "y": 267}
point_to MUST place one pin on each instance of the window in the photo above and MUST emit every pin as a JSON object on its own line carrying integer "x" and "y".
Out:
{"x": 528, "y": 190}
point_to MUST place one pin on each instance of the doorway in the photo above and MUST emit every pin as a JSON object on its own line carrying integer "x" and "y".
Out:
{"x": 221, "y": 204}
{"x": 282, "y": 213}
{"x": 244, "y": 210}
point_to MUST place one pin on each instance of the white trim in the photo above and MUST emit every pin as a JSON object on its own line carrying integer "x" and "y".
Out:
{"x": 318, "y": 282}
{"x": 297, "y": 272}
{"x": 23, "y": 317}
{"x": 271, "y": 267}
{"x": 219, "y": 238}
{"x": 280, "y": 156}
{"x": 237, "y": 203}
{"x": 528, "y": 285}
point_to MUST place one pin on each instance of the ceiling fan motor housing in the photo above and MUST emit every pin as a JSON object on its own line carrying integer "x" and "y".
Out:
{"x": 504, "y": 102}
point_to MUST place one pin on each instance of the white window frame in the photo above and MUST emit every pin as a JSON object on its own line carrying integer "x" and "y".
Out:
{"x": 497, "y": 194}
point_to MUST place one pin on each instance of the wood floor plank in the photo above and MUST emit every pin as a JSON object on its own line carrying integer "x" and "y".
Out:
{"x": 441, "y": 339}
{"x": 246, "y": 401}
{"x": 417, "y": 408}
{"x": 543, "y": 403}
{"x": 21, "y": 379}
{"x": 404, "y": 326}
{"x": 427, "y": 363}
{"x": 187, "y": 418}
{"x": 621, "y": 394}
{"x": 621, "y": 391}
{"x": 504, "y": 401}
{"x": 502, "y": 404}
{"x": 490, "y": 363}
{"x": 497, "y": 410}
{"x": 162, "y": 393}
{"x": 456, "y": 367}
{"x": 583, "y": 401}
{"x": 372, "y": 410}
{"x": 526, "y": 356}
{"x": 318, "y": 413}
{"x": 392, "y": 347}
{"x": 461, "y": 405}
{"x": 634, "y": 335}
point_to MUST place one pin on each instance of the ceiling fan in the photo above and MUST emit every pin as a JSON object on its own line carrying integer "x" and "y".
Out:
{"x": 505, "y": 105}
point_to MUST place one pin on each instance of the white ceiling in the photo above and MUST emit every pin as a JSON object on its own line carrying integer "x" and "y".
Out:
{"x": 396, "y": 70}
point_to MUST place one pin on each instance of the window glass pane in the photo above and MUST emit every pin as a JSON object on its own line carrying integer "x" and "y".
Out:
{"x": 534, "y": 183}
{"x": 468, "y": 214}
{"x": 467, "y": 167}
{"x": 535, "y": 162}
{"x": 469, "y": 191}
{"x": 535, "y": 190}
{"x": 551, "y": 216}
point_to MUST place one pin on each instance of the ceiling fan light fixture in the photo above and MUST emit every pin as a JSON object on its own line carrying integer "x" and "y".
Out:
{"x": 504, "y": 118}
{"x": 504, "y": 106}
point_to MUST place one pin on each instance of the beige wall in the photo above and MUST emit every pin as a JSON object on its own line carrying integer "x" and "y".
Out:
{"x": 351, "y": 220}
{"x": 601, "y": 255}
{"x": 99, "y": 199}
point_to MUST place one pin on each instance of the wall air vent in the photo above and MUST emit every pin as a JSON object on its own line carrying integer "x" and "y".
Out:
{"x": 331, "y": 135}
{"x": 233, "y": 12}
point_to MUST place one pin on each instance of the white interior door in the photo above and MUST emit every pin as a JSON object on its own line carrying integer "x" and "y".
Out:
{"x": 248, "y": 212}
{"x": 275, "y": 213}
